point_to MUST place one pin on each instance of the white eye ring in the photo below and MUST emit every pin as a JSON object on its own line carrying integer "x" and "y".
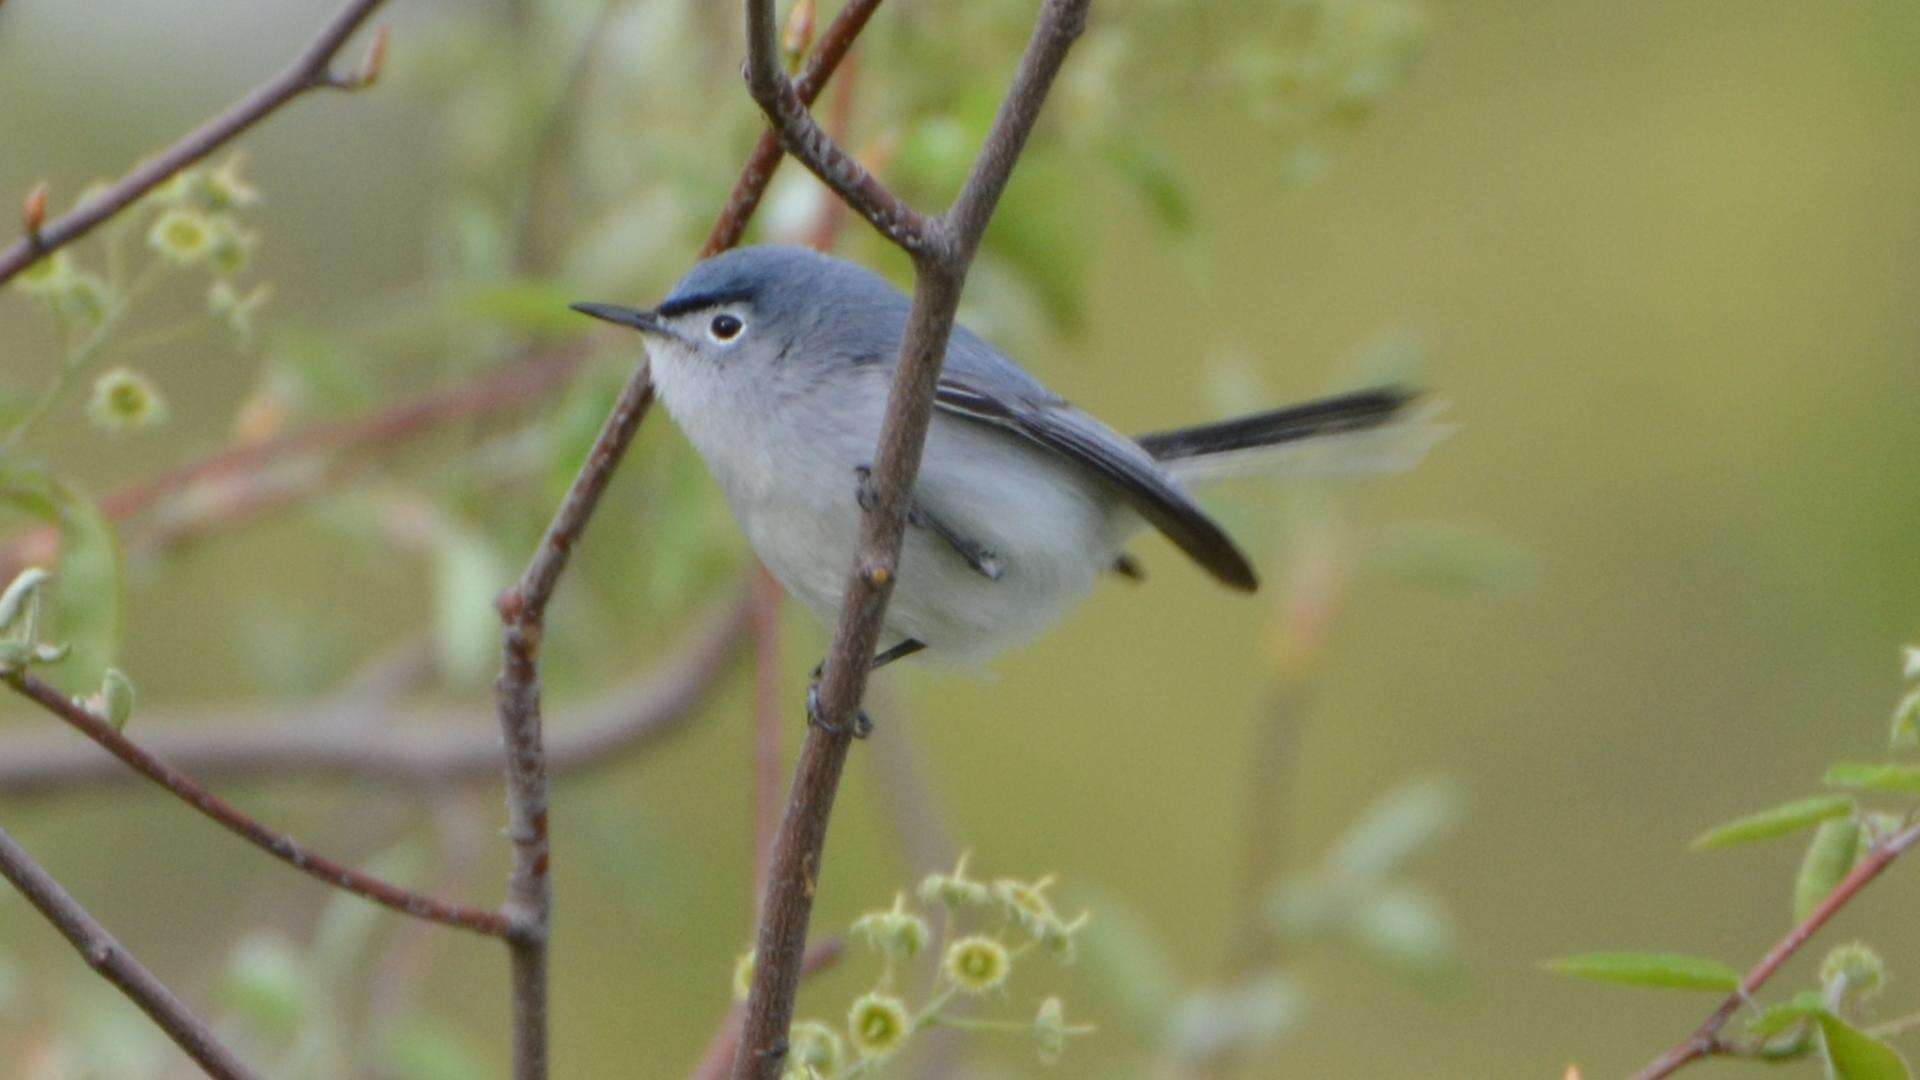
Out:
{"x": 724, "y": 327}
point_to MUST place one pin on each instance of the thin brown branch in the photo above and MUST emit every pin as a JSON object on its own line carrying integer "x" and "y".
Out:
{"x": 767, "y": 154}
{"x": 523, "y": 613}
{"x": 440, "y": 751}
{"x": 278, "y": 844}
{"x": 310, "y": 70}
{"x": 943, "y": 249}
{"x": 1706, "y": 1039}
{"x": 118, "y": 966}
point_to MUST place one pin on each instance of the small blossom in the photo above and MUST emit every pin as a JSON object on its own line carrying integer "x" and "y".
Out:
{"x": 85, "y": 297}
{"x": 1858, "y": 969}
{"x": 815, "y": 1047}
{"x": 48, "y": 276}
{"x": 1028, "y": 905}
{"x": 124, "y": 400}
{"x": 1058, "y": 937}
{"x": 182, "y": 236}
{"x": 1050, "y": 1030}
{"x": 899, "y": 934}
{"x": 977, "y": 964}
{"x": 226, "y": 304}
{"x": 743, "y": 975}
{"x": 878, "y": 1024}
{"x": 225, "y": 189}
{"x": 232, "y": 245}
{"x": 954, "y": 890}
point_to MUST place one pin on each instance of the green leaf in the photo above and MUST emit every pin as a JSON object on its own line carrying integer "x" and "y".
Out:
{"x": 1667, "y": 970}
{"x": 421, "y": 1050}
{"x": 86, "y": 598}
{"x": 1852, "y": 1054}
{"x": 1900, "y": 779}
{"x": 1905, "y": 732}
{"x": 1829, "y": 856}
{"x": 1395, "y": 828}
{"x": 1777, "y": 821}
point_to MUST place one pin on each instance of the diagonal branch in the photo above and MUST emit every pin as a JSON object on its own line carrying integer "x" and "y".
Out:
{"x": 118, "y": 966}
{"x": 278, "y": 844}
{"x": 807, "y": 141}
{"x": 1706, "y": 1039}
{"x": 310, "y": 70}
{"x": 767, "y": 153}
{"x": 943, "y": 249}
{"x": 416, "y": 757}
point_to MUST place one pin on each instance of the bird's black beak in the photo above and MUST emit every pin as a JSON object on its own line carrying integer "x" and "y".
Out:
{"x": 644, "y": 321}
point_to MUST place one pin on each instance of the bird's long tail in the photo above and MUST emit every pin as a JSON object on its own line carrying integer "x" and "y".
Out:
{"x": 1384, "y": 429}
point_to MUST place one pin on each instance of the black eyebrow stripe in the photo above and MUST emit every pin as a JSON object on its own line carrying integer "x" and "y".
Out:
{"x": 697, "y": 301}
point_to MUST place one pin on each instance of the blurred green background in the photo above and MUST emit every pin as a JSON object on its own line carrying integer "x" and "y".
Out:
{"x": 1660, "y": 260}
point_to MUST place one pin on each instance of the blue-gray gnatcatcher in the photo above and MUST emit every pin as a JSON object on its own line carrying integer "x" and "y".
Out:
{"x": 777, "y": 361}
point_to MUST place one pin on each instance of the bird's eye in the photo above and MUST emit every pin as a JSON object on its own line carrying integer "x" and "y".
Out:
{"x": 725, "y": 327}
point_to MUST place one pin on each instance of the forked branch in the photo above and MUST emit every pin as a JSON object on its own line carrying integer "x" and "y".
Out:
{"x": 942, "y": 248}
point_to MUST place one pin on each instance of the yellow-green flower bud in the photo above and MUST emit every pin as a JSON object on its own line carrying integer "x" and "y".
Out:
{"x": 1051, "y": 1030}
{"x": 878, "y": 1024}
{"x": 48, "y": 277}
{"x": 977, "y": 964}
{"x": 179, "y": 189}
{"x": 814, "y": 1046}
{"x": 224, "y": 189}
{"x": 1027, "y": 905}
{"x": 116, "y": 698}
{"x": 124, "y": 400}
{"x": 954, "y": 890}
{"x": 743, "y": 975}
{"x": 182, "y": 236}
{"x": 232, "y": 245}
{"x": 897, "y": 933}
{"x": 84, "y": 297}
{"x": 1856, "y": 968}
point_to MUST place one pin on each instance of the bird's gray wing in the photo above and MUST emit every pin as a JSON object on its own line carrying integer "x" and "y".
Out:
{"x": 1110, "y": 458}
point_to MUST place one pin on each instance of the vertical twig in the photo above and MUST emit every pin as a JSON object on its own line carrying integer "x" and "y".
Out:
{"x": 117, "y": 965}
{"x": 523, "y": 611}
{"x": 942, "y": 249}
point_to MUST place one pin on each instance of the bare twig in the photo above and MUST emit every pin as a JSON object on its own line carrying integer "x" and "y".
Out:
{"x": 943, "y": 249}
{"x": 278, "y": 844}
{"x": 428, "y": 756}
{"x": 523, "y": 611}
{"x": 766, "y": 157}
{"x": 311, "y": 70}
{"x": 115, "y": 964}
{"x": 1706, "y": 1039}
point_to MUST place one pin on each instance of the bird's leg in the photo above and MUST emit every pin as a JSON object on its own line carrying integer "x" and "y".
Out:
{"x": 862, "y": 724}
{"x": 984, "y": 560}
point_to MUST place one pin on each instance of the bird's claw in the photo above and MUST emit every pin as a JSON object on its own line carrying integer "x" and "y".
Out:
{"x": 862, "y": 724}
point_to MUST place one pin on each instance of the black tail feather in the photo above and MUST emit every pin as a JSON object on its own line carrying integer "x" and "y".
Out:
{"x": 1343, "y": 412}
